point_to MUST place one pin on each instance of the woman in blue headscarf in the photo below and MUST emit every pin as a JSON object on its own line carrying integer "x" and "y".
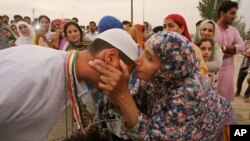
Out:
{"x": 109, "y": 22}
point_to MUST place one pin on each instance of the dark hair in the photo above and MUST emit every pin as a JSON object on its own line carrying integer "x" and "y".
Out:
{"x": 18, "y": 16}
{"x": 12, "y": 21}
{"x": 157, "y": 29}
{"x": 76, "y": 25}
{"x": 75, "y": 19}
{"x": 43, "y": 16}
{"x": 27, "y": 17}
{"x": 1, "y": 17}
{"x": 92, "y": 22}
{"x": 6, "y": 16}
{"x": 200, "y": 41}
{"x": 146, "y": 23}
{"x": 99, "y": 45}
{"x": 126, "y": 22}
{"x": 226, "y": 6}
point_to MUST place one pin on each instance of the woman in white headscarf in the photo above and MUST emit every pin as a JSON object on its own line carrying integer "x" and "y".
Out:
{"x": 148, "y": 30}
{"x": 26, "y": 33}
{"x": 207, "y": 29}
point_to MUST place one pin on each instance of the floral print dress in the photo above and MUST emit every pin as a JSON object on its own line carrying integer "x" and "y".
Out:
{"x": 178, "y": 104}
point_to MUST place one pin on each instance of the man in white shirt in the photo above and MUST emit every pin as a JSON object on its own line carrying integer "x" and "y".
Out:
{"x": 92, "y": 34}
{"x": 36, "y": 82}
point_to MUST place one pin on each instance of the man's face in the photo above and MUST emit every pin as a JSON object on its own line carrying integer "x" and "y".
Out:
{"x": 18, "y": 19}
{"x": 110, "y": 57}
{"x": 92, "y": 27}
{"x": 27, "y": 20}
{"x": 5, "y": 20}
{"x": 229, "y": 16}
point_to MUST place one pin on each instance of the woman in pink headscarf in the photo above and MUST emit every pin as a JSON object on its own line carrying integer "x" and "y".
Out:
{"x": 176, "y": 23}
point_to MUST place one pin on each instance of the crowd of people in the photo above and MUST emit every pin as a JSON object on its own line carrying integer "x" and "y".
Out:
{"x": 123, "y": 81}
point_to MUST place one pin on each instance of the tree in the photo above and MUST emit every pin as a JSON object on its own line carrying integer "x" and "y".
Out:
{"x": 208, "y": 10}
{"x": 241, "y": 26}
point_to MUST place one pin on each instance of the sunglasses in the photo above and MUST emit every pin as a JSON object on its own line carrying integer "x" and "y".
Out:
{"x": 20, "y": 27}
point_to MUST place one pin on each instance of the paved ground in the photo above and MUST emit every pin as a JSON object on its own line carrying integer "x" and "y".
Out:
{"x": 241, "y": 108}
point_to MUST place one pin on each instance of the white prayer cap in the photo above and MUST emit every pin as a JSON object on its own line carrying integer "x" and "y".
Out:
{"x": 121, "y": 40}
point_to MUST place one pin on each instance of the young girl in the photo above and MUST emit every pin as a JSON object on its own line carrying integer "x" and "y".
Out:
{"x": 174, "y": 102}
{"x": 206, "y": 46}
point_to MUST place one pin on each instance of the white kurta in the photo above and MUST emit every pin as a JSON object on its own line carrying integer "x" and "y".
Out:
{"x": 32, "y": 92}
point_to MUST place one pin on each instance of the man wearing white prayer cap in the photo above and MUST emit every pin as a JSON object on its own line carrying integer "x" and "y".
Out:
{"x": 36, "y": 82}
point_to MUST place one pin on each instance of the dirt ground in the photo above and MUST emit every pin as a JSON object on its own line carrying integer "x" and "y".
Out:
{"x": 241, "y": 108}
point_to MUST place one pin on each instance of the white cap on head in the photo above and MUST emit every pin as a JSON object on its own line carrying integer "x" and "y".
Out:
{"x": 121, "y": 40}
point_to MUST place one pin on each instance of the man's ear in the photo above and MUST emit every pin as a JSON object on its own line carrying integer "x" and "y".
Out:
{"x": 112, "y": 56}
{"x": 222, "y": 14}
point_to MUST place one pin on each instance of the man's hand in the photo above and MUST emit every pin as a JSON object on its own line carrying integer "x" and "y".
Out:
{"x": 227, "y": 55}
{"x": 230, "y": 49}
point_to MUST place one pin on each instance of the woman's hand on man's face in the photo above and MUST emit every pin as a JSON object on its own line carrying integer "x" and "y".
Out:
{"x": 113, "y": 80}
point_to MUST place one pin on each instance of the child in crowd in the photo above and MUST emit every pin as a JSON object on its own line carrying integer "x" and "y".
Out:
{"x": 206, "y": 46}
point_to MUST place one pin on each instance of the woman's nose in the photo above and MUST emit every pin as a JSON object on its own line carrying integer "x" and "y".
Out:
{"x": 138, "y": 60}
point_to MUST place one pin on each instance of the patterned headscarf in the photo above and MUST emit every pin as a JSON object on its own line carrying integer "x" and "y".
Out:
{"x": 181, "y": 22}
{"x": 178, "y": 104}
{"x": 178, "y": 60}
{"x": 178, "y": 65}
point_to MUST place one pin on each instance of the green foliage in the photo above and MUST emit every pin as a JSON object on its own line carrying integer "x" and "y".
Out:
{"x": 208, "y": 9}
